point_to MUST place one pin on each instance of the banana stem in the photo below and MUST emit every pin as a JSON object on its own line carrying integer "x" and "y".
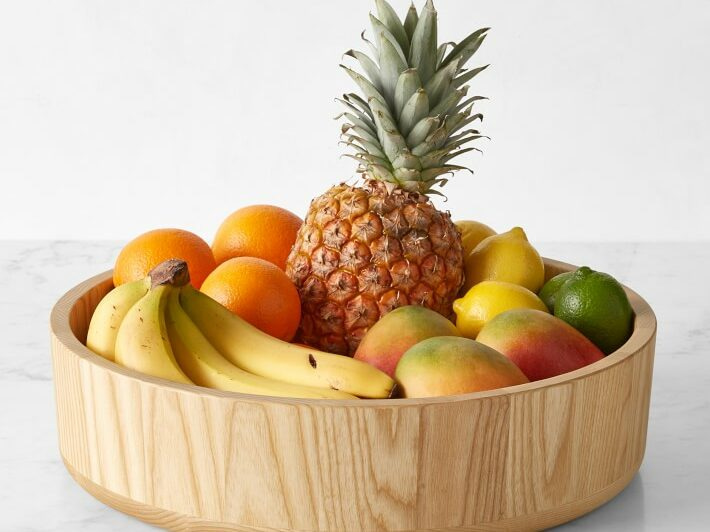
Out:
{"x": 172, "y": 271}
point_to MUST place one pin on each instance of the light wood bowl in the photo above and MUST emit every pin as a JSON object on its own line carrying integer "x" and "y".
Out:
{"x": 189, "y": 458}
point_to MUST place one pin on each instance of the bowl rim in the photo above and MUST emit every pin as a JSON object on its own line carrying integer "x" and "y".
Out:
{"x": 643, "y": 333}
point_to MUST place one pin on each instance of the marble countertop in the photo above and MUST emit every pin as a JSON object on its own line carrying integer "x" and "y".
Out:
{"x": 669, "y": 493}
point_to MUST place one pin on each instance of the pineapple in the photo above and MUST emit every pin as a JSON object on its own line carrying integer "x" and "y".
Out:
{"x": 366, "y": 250}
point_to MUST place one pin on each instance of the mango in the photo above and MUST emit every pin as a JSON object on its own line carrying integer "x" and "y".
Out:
{"x": 540, "y": 344}
{"x": 386, "y": 341}
{"x": 450, "y": 365}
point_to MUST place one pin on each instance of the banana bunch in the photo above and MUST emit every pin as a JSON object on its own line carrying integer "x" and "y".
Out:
{"x": 163, "y": 327}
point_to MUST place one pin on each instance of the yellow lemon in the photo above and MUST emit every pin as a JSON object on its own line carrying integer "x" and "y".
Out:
{"x": 472, "y": 233}
{"x": 488, "y": 299}
{"x": 505, "y": 257}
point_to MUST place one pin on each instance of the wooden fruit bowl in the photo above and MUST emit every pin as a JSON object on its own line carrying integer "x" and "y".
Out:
{"x": 189, "y": 458}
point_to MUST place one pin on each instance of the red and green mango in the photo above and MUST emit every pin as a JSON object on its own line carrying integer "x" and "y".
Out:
{"x": 450, "y": 365}
{"x": 540, "y": 344}
{"x": 387, "y": 340}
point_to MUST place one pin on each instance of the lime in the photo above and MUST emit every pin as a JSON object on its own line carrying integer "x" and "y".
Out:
{"x": 596, "y": 305}
{"x": 549, "y": 291}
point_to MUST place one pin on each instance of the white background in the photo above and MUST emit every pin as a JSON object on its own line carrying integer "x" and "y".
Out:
{"x": 119, "y": 117}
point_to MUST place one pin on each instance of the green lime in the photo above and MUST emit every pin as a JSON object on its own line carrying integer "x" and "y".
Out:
{"x": 549, "y": 291}
{"x": 596, "y": 305}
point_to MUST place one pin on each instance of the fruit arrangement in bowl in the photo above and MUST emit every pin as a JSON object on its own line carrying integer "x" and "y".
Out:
{"x": 374, "y": 365}
{"x": 229, "y": 317}
{"x": 472, "y": 311}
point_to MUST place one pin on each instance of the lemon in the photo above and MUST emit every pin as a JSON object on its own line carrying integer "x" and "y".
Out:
{"x": 488, "y": 299}
{"x": 472, "y": 233}
{"x": 505, "y": 257}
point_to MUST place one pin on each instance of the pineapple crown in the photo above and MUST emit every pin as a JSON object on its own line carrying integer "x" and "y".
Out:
{"x": 410, "y": 123}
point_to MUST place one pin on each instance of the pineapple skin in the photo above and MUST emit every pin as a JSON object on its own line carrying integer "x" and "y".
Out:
{"x": 365, "y": 251}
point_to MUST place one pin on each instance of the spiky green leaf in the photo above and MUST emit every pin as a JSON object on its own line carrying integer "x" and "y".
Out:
{"x": 462, "y": 135}
{"x": 411, "y": 120}
{"x": 365, "y": 158}
{"x": 360, "y": 151}
{"x": 406, "y": 160}
{"x": 369, "y": 66}
{"x": 467, "y": 47}
{"x": 391, "y": 66}
{"x": 465, "y": 121}
{"x": 362, "y": 116}
{"x": 381, "y": 172}
{"x": 456, "y": 153}
{"x": 456, "y": 144}
{"x": 358, "y": 103}
{"x": 434, "y": 158}
{"x": 421, "y": 149}
{"x": 410, "y": 21}
{"x": 390, "y": 19}
{"x": 381, "y": 115}
{"x": 422, "y": 52}
{"x": 440, "y": 82}
{"x": 448, "y": 102}
{"x": 439, "y": 135}
{"x": 381, "y": 32}
{"x": 468, "y": 76}
{"x": 391, "y": 140}
{"x": 440, "y": 52}
{"x": 365, "y": 85}
{"x": 431, "y": 173}
{"x": 358, "y": 119}
{"x": 422, "y": 130}
{"x": 468, "y": 101}
{"x": 407, "y": 84}
{"x": 393, "y": 143}
{"x": 416, "y": 108}
{"x": 365, "y": 134}
{"x": 370, "y": 147}
{"x": 373, "y": 48}
{"x": 468, "y": 51}
{"x": 408, "y": 175}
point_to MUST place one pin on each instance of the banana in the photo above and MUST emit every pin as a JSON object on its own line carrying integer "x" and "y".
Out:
{"x": 109, "y": 314}
{"x": 254, "y": 351}
{"x": 142, "y": 343}
{"x": 205, "y": 366}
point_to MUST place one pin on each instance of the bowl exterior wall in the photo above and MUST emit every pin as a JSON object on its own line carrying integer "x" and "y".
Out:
{"x": 184, "y": 457}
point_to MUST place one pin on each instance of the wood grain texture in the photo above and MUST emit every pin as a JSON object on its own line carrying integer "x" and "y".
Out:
{"x": 189, "y": 458}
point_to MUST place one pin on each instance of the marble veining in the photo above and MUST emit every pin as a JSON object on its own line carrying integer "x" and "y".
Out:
{"x": 670, "y": 492}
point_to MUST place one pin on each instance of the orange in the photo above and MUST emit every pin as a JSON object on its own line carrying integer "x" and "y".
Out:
{"x": 146, "y": 251}
{"x": 262, "y": 231}
{"x": 258, "y": 292}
